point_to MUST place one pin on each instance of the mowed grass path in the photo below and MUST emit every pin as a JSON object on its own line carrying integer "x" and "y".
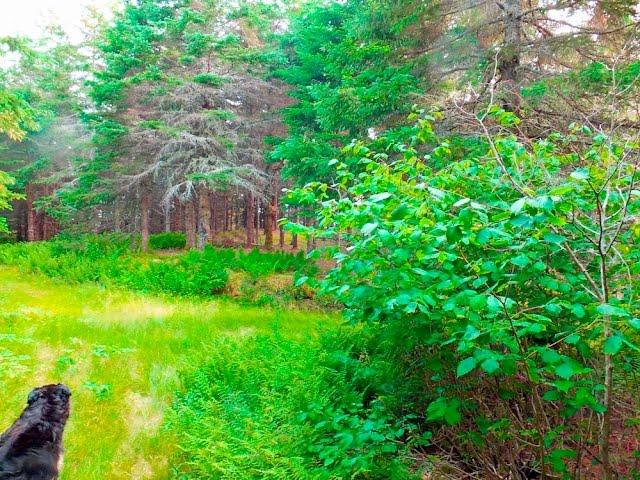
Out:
{"x": 121, "y": 353}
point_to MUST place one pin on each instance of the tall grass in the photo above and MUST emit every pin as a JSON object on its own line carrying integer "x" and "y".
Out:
{"x": 121, "y": 353}
{"x": 268, "y": 407}
{"x": 112, "y": 260}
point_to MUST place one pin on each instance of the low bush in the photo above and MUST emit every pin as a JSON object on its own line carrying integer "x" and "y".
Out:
{"x": 210, "y": 79}
{"x": 286, "y": 409}
{"x": 255, "y": 262}
{"x": 188, "y": 275}
{"x": 108, "y": 259}
{"x": 504, "y": 278}
{"x": 168, "y": 240}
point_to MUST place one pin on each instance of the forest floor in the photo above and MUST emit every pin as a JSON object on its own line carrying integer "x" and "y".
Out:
{"x": 122, "y": 354}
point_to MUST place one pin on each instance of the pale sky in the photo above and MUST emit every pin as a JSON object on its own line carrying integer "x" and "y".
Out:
{"x": 28, "y": 17}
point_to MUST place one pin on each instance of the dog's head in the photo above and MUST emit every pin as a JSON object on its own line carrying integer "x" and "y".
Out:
{"x": 52, "y": 399}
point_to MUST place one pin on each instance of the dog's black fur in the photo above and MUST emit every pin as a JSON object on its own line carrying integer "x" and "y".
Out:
{"x": 31, "y": 449}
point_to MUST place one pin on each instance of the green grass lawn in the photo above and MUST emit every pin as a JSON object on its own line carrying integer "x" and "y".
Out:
{"x": 121, "y": 353}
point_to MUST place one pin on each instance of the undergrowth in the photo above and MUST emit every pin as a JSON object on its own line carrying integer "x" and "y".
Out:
{"x": 267, "y": 407}
{"x": 114, "y": 260}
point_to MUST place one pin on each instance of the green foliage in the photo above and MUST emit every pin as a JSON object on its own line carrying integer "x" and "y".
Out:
{"x": 6, "y": 197}
{"x": 121, "y": 353}
{"x": 484, "y": 259}
{"x": 17, "y": 117}
{"x": 286, "y": 409}
{"x": 108, "y": 259}
{"x": 210, "y": 79}
{"x": 346, "y": 77}
{"x": 192, "y": 274}
{"x": 168, "y": 240}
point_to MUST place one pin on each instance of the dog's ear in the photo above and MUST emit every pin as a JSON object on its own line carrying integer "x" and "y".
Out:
{"x": 33, "y": 396}
{"x": 63, "y": 390}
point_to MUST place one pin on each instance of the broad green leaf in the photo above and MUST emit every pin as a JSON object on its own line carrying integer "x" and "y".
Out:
{"x": 378, "y": 197}
{"x": 368, "y": 228}
{"x": 436, "y": 409}
{"x": 466, "y": 366}
{"x": 554, "y": 238}
{"x": 611, "y": 310}
{"x": 565, "y": 371}
{"x": 518, "y": 205}
{"x": 578, "y": 310}
{"x": 572, "y": 339}
{"x": 451, "y": 414}
{"x": 520, "y": 261}
{"x": 613, "y": 344}
{"x": 490, "y": 365}
{"x": 551, "y": 357}
{"x": 580, "y": 174}
{"x": 478, "y": 302}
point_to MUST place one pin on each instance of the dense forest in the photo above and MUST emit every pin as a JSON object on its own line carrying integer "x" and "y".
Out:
{"x": 454, "y": 184}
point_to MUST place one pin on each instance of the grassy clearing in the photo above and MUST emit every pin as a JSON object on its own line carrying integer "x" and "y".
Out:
{"x": 121, "y": 353}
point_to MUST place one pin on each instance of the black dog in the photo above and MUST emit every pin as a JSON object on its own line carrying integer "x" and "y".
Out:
{"x": 32, "y": 448}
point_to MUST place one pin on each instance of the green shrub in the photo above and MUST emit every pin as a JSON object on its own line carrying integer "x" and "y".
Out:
{"x": 168, "y": 240}
{"x": 187, "y": 275}
{"x": 258, "y": 263}
{"x": 502, "y": 278}
{"x": 210, "y": 79}
{"x": 269, "y": 408}
{"x": 108, "y": 259}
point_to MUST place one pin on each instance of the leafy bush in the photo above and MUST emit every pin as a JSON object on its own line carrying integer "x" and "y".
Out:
{"x": 285, "y": 409}
{"x": 168, "y": 240}
{"x": 501, "y": 278}
{"x": 108, "y": 259}
{"x": 188, "y": 275}
{"x": 210, "y": 79}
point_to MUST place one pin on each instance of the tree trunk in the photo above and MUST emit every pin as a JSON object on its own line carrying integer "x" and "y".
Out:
{"x": 50, "y": 228}
{"x": 250, "y": 219}
{"x": 177, "y": 216}
{"x": 225, "y": 208}
{"x": 311, "y": 240}
{"x": 269, "y": 216}
{"x": 190, "y": 223}
{"x": 167, "y": 217}
{"x": 294, "y": 237}
{"x": 144, "y": 220}
{"x": 204, "y": 217}
{"x": 509, "y": 61}
{"x": 32, "y": 215}
{"x": 213, "y": 204}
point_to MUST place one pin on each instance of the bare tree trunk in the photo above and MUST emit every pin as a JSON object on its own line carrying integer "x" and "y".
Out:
{"x": 281, "y": 237}
{"x": 605, "y": 433}
{"x": 509, "y": 63}
{"x": 167, "y": 217}
{"x": 250, "y": 219}
{"x": 225, "y": 207}
{"x": 213, "y": 204}
{"x": 50, "y": 228}
{"x": 311, "y": 240}
{"x": 177, "y": 216}
{"x": 32, "y": 215}
{"x": 144, "y": 220}
{"x": 256, "y": 216}
{"x": 269, "y": 216}
{"x": 294, "y": 238}
{"x": 204, "y": 217}
{"x": 190, "y": 223}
